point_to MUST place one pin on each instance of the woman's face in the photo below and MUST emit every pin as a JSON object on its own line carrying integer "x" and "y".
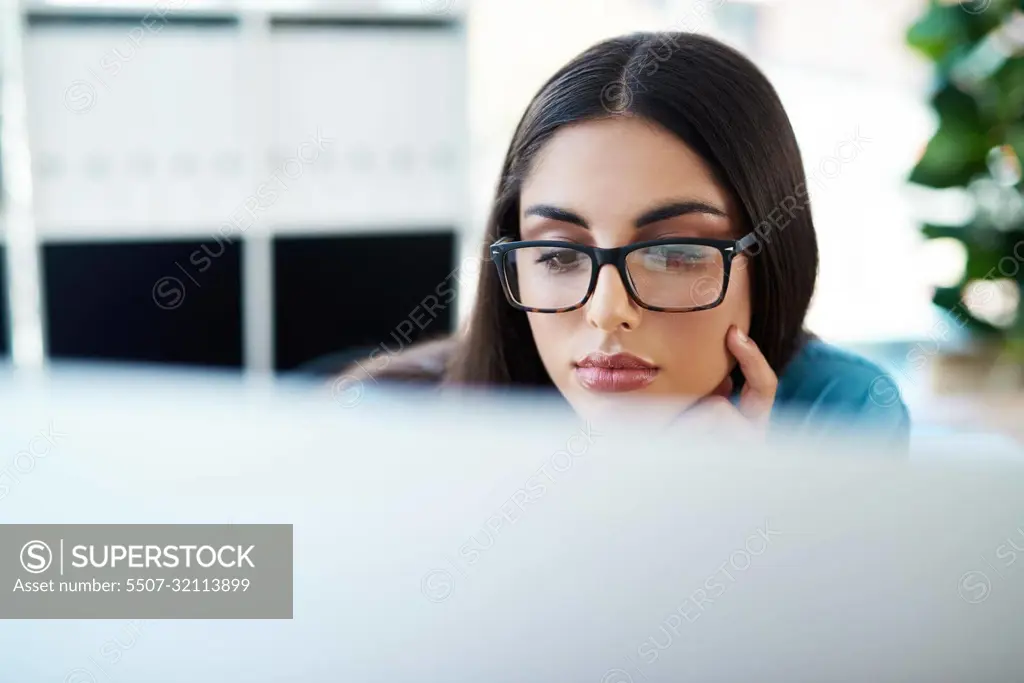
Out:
{"x": 609, "y": 175}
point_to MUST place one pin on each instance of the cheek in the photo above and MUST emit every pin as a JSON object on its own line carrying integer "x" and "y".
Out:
{"x": 695, "y": 342}
{"x": 736, "y": 306}
{"x": 708, "y": 328}
{"x": 551, "y": 334}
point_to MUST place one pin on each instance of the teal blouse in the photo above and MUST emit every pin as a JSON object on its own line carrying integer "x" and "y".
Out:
{"x": 825, "y": 388}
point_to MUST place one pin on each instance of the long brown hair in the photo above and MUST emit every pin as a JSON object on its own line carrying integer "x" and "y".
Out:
{"x": 717, "y": 102}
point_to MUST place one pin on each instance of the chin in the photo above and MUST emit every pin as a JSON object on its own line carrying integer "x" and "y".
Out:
{"x": 633, "y": 406}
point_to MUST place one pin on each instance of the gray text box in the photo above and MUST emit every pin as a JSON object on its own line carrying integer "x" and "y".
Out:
{"x": 146, "y": 571}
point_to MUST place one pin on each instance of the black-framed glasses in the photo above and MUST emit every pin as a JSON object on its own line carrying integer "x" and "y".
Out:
{"x": 676, "y": 275}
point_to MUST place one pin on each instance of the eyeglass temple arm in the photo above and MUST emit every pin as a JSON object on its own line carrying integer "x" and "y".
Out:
{"x": 746, "y": 242}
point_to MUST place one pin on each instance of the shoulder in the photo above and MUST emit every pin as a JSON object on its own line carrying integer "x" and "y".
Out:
{"x": 824, "y": 383}
{"x": 425, "y": 362}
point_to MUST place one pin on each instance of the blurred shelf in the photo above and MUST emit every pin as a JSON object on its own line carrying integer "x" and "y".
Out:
{"x": 158, "y": 127}
{"x": 423, "y": 11}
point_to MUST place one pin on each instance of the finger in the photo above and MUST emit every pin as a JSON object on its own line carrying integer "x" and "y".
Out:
{"x": 758, "y": 393}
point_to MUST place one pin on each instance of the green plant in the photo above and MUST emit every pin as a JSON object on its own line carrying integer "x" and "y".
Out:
{"x": 977, "y": 47}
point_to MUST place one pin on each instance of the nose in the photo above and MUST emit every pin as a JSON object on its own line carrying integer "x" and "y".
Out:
{"x": 610, "y": 308}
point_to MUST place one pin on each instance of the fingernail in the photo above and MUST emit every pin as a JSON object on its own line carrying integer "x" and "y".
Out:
{"x": 742, "y": 337}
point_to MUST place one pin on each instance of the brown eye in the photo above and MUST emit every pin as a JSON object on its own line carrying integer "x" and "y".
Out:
{"x": 560, "y": 259}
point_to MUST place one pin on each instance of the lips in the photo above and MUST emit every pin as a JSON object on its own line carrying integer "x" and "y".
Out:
{"x": 614, "y": 373}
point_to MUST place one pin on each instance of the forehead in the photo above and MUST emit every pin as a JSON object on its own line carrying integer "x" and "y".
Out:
{"x": 618, "y": 166}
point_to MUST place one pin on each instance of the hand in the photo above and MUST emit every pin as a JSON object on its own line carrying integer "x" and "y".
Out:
{"x": 756, "y": 398}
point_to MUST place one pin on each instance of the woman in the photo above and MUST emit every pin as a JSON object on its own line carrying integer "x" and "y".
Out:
{"x": 651, "y": 237}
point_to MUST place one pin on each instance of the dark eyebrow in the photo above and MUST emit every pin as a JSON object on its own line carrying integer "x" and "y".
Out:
{"x": 677, "y": 209}
{"x": 660, "y": 213}
{"x": 556, "y": 214}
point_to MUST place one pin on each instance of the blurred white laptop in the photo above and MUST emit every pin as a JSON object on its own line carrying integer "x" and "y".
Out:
{"x": 487, "y": 541}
